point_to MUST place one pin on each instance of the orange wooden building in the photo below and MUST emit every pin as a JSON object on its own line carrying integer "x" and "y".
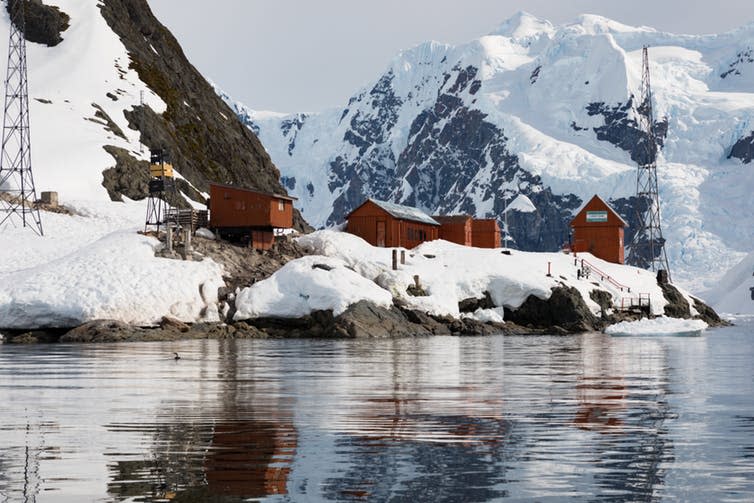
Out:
{"x": 485, "y": 233}
{"x": 392, "y": 225}
{"x": 598, "y": 229}
{"x": 249, "y": 215}
{"x": 455, "y": 228}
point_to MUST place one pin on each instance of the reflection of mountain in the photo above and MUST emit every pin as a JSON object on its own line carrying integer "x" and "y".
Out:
{"x": 404, "y": 467}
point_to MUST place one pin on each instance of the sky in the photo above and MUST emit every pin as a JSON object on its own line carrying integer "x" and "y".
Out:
{"x": 309, "y": 55}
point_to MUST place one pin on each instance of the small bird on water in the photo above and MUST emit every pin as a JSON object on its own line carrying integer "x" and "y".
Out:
{"x": 176, "y": 356}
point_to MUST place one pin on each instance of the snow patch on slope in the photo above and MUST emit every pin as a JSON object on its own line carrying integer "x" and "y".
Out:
{"x": 66, "y": 137}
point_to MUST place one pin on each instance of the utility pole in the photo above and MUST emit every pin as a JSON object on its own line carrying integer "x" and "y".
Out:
{"x": 17, "y": 192}
{"x": 647, "y": 248}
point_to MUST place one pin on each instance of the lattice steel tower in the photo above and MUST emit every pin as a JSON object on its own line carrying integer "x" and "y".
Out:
{"x": 647, "y": 248}
{"x": 16, "y": 180}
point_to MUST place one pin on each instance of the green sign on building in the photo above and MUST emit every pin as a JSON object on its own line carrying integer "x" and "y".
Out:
{"x": 596, "y": 216}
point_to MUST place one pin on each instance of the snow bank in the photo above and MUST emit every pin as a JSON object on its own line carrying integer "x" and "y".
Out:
{"x": 117, "y": 277}
{"x": 308, "y": 284}
{"x": 449, "y": 273}
{"x": 94, "y": 265}
{"x": 657, "y": 326}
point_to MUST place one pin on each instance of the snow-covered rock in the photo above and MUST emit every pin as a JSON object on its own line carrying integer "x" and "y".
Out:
{"x": 657, "y": 326}
{"x": 548, "y": 112}
{"x": 313, "y": 283}
{"x": 449, "y": 273}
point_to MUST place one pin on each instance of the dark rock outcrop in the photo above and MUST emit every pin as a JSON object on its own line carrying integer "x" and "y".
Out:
{"x": 603, "y": 299}
{"x": 206, "y": 140}
{"x": 44, "y": 23}
{"x": 565, "y": 309}
{"x": 677, "y": 306}
{"x": 624, "y": 132}
{"x": 708, "y": 315}
{"x": 365, "y": 320}
{"x": 743, "y": 149}
{"x": 472, "y": 304}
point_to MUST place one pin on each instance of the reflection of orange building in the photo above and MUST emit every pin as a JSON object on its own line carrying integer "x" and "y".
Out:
{"x": 599, "y": 401}
{"x": 250, "y": 459}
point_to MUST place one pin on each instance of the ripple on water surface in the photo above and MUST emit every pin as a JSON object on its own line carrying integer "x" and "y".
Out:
{"x": 432, "y": 419}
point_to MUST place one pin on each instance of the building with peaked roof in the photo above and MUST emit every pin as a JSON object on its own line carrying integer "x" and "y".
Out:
{"x": 392, "y": 225}
{"x": 598, "y": 229}
{"x": 455, "y": 228}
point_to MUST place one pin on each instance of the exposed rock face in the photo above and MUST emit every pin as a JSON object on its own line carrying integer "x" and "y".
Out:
{"x": 678, "y": 306}
{"x": 603, "y": 299}
{"x": 44, "y": 23}
{"x": 743, "y": 149}
{"x": 623, "y": 131}
{"x": 455, "y": 159}
{"x": 708, "y": 315}
{"x": 205, "y": 139}
{"x": 565, "y": 308}
{"x": 115, "y": 331}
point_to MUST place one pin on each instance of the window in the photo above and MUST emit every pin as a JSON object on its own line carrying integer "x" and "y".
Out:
{"x": 281, "y": 205}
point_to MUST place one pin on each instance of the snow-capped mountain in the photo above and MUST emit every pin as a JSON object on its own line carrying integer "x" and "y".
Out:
{"x": 105, "y": 76}
{"x": 549, "y": 112}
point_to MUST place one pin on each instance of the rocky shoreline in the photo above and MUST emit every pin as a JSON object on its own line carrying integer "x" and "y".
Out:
{"x": 565, "y": 312}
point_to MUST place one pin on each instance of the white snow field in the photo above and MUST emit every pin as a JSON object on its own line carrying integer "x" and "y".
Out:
{"x": 97, "y": 267}
{"x": 67, "y": 145}
{"x": 93, "y": 265}
{"x": 657, "y": 326}
{"x": 447, "y": 271}
{"x": 706, "y": 198}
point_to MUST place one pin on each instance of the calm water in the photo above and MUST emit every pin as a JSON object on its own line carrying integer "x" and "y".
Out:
{"x": 581, "y": 418}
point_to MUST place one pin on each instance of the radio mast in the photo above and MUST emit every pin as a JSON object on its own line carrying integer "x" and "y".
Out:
{"x": 16, "y": 179}
{"x": 647, "y": 248}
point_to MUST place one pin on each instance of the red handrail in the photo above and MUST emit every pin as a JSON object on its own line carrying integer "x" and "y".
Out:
{"x": 603, "y": 275}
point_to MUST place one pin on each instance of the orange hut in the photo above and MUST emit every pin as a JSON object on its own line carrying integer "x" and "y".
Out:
{"x": 455, "y": 228}
{"x": 598, "y": 229}
{"x": 392, "y": 225}
{"x": 485, "y": 233}
{"x": 247, "y": 214}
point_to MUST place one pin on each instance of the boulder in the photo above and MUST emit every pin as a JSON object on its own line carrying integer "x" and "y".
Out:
{"x": 168, "y": 323}
{"x": 103, "y": 331}
{"x": 565, "y": 308}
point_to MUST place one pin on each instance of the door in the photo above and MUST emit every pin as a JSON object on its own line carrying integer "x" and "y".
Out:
{"x": 381, "y": 233}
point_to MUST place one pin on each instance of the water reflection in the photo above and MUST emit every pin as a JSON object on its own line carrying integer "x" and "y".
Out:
{"x": 587, "y": 418}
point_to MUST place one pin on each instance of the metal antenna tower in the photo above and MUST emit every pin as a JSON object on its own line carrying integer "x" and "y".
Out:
{"x": 647, "y": 248}
{"x": 16, "y": 179}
